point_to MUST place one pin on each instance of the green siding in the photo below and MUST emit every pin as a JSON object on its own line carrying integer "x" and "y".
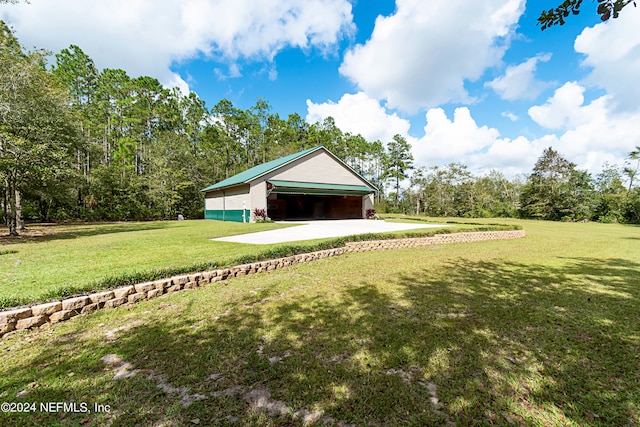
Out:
{"x": 318, "y": 192}
{"x": 319, "y": 188}
{"x": 228, "y": 215}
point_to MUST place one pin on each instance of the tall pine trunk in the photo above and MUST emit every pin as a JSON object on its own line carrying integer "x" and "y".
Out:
{"x": 5, "y": 202}
{"x": 19, "y": 219}
{"x": 11, "y": 207}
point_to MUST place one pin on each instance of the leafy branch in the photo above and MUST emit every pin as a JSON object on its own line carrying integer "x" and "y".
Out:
{"x": 606, "y": 9}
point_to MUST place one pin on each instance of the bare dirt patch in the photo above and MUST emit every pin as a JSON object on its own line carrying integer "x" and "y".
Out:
{"x": 123, "y": 369}
{"x": 26, "y": 235}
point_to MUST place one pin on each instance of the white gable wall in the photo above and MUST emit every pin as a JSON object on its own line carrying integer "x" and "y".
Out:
{"x": 318, "y": 166}
{"x": 258, "y": 196}
{"x": 213, "y": 201}
{"x": 232, "y": 199}
{"x": 367, "y": 203}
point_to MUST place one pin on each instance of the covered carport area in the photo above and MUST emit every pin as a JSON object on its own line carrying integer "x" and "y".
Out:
{"x": 292, "y": 200}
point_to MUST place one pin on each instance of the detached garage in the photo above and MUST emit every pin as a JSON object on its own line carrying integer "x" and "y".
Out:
{"x": 311, "y": 184}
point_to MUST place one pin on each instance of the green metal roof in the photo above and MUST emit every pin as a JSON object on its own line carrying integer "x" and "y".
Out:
{"x": 319, "y": 188}
{"x": 256, "y": 171}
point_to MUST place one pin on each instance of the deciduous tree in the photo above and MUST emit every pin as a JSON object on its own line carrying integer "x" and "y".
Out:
{"x": 36, "y": 126}
{"x": 556, "y": 190}
{"x": 611, "y": 194}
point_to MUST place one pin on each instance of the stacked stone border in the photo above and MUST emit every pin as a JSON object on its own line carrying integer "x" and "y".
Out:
{"x": 58, "y": 311}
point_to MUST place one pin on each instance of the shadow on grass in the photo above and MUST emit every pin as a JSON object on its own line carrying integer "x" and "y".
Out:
{"x": 43, "y": 233}
{"x": 477, "y": 343}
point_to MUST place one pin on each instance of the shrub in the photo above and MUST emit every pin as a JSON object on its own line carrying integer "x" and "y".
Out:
{"x": 261, "y": 215}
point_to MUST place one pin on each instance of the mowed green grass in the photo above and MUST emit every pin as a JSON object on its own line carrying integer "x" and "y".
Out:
{"x": 540, "y": 331}
{"x": 56, "y": 261}
{"x": 78, "y": 255}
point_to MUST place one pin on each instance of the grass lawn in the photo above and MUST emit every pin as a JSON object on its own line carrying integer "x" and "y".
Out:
{"x": 539, "y": 331}
{"x": 63, "y": 256}
{"x": 50, "y": 262}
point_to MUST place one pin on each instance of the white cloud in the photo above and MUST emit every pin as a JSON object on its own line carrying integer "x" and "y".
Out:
{"x": 446, "y": 139}
{"x": 479, "y": 147}
{"x": 612, "y": 50}
{"x": 601, "y": 134}
{"x": 512, "y": 157}
{"x": 233, "y": 72}
{"x": 519, "y": 82}
{"x": 422, "y": 55}
{"x": 145, "y": 37}
{"x": 559, "y": 110}
{"x": 590, "y": 135}
{"x": 509, "y": 115}
{"x": 565, "y": 109}
{"x": 587, "y": 135}
{"x": 608, "y": 127}
{"x": 359, "y": 114}
{"x": 177, "y": 81}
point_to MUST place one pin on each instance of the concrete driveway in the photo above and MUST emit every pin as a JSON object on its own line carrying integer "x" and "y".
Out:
{"x": 322, "y": 229}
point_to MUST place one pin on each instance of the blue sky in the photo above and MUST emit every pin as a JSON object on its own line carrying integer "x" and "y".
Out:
{"x": 301, "y": 73}
{"x": 472, "y": 82}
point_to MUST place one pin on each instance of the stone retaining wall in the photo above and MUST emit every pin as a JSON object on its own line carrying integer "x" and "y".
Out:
{"x": 58, "y": 311}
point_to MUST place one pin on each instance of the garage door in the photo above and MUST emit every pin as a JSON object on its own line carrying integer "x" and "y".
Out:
{"x": 303, "y": 200}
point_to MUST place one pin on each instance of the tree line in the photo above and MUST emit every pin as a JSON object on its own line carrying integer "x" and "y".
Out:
{"x": 81, "y": 143}
{"x": 554, "y": 190}
{"x": 78, "y": 143}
